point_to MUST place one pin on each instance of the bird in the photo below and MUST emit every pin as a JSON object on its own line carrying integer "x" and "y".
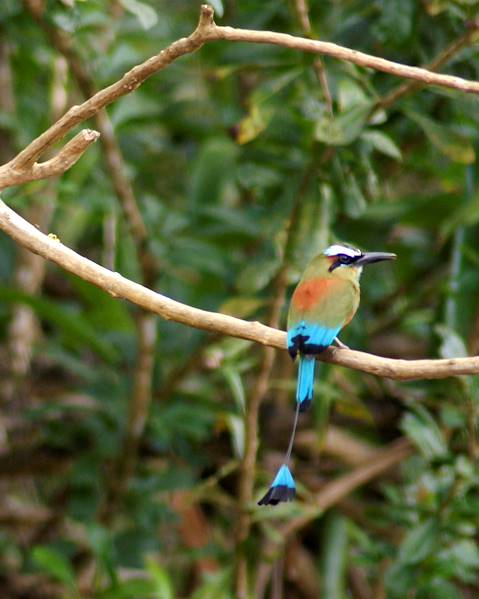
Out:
{"x": 324, "y": 301}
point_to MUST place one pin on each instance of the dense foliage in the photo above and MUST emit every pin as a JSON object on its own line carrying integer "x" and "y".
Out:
{"x": 241, "y": 173}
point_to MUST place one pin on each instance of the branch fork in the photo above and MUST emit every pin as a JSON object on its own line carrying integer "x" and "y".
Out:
{"x": 19, "y": 171}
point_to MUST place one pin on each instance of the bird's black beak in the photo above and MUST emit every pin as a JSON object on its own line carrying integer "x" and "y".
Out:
{"x": 370, "y": 257}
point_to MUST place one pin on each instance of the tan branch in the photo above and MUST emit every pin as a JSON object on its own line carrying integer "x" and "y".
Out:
{"x": 206, "y": 31}
{"x": 341, "y": 53}
{"x": 302, "y": 11}
{"x": 113, "y": 283}
{"x": 21, "y": 516}
{"x": 128, "y": 83}
{"x": 14, "y": 174}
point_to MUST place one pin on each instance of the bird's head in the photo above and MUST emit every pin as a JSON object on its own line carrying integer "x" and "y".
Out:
{"x": 347, "y": 262}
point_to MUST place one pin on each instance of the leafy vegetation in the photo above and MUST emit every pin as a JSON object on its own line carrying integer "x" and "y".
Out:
{"x": 241, "y": 175}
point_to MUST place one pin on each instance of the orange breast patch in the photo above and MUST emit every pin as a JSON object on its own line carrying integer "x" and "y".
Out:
{"x": 307, "y": 295}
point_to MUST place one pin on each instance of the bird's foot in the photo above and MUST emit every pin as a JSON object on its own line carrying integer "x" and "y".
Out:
{"x": 340, "y": 344}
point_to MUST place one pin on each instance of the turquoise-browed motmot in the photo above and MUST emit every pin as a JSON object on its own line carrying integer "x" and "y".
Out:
{"x": 325, "y": 300}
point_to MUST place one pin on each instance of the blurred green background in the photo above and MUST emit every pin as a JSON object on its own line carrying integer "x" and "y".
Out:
{"x": 242, "y": 170}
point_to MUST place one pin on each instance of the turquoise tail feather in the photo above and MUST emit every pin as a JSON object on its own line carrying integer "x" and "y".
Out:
{"x": 283, "y": 488}
{"x": 305, "y": 385}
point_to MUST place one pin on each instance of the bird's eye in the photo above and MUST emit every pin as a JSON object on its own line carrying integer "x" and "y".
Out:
{"x": 343, "y": 259}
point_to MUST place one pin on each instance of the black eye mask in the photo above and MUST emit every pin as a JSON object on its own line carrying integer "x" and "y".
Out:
{"x": 343, "y": 259}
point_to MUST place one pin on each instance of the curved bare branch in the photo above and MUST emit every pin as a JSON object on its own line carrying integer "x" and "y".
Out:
{"x": 113, "y": 283}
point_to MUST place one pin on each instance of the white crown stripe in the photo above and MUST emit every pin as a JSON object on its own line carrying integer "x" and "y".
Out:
{"x": 335, "y": 250}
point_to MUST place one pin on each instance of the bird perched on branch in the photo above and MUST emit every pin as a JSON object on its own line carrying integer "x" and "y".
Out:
{"x": 325, "y": 300}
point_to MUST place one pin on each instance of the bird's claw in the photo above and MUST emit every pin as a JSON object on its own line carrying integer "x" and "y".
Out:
{"x": 340, "y": 344}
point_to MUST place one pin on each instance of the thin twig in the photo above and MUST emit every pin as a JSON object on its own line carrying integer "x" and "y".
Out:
{"x": 440, "y": 60}
{"x": 23, "y": 516}
{"x": 302, "y": 12}
{"x": 146, "y": 327}
{"x": 14, "y": 174}
{"x": 337, "y": 442}
{"x": 62, "y": 42}
{"x": 361, "y": 59}
{"x": 138, "y": 413}
{"x": 128, "y": 83}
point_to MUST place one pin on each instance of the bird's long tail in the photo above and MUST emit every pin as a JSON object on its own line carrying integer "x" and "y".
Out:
{"x": 305, "y": 385}
{"x": 283, "y": 487}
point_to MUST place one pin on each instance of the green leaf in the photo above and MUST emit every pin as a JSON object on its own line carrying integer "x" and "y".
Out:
{"x": 350, "y": 94}
{"x": 466, "y": 214}
{"x": 463, "y": 556}
{"x": 54, "y": 564}
{"x": 257, "y": 177}
{"x": 399, "y": 579}
{"x": 101, "y": 544}
{"x": 452, "y": 346}
{"x": 162, "y": 584}
{"x": 236, "y": 427}
{"x": 344, "y": 129}
{"x": 382, "y": 143}
{"x": 235, "y": 384}
{"x": 71, "y": 323}
{"x": 256, "y": 275}
{"x": 334, "y": 547}
{"x": 424, "y": 432}
{"x": 241, "y": 306}
{"x": 354, "y": 201}
{"x": 396, "y": 21}
{"x": 254, "y": 123}
{"x": 143, "y": 12}
{"x": 213, "y": 168}
{"x": 215, "y": 585}
{"x": 454, "y": 145}
{"x": 129, "y": 589}
{"x": 419, "y": 542}
{"x": 103, "y": 312}
{"x": 262, "y": 106}
{"x": 218, "y": 7}
{"x": 439, "y": 589}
